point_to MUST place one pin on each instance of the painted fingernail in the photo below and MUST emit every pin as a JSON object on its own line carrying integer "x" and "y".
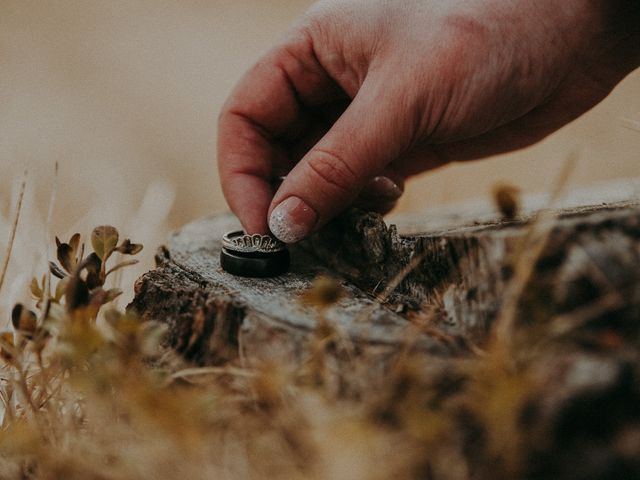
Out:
{"x": 382, "y": 187}
{"x": 292, "y": 220}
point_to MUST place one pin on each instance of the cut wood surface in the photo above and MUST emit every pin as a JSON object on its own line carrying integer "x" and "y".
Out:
{"x": 439, "y": 287}
{"x": 462, "y": 273}
{"x": 557, "y": 288}
{"x": 211, "y": 313}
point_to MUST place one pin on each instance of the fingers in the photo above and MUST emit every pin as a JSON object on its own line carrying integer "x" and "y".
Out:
{"x": 373, "y": 131}
{"x": 266, "y": 109}
{"x": 381, "y": 193}
{"x": 245, "y": 159}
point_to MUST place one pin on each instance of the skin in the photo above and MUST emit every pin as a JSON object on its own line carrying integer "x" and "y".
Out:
{"x": 363, "y": 89}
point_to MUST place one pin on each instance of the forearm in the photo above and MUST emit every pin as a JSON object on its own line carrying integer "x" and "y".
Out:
{"x": 621, "y": 35}
{"x": 604, "y": 38}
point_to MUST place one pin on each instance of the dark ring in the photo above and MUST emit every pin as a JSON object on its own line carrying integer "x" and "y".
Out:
{"x": 255, "y": 264}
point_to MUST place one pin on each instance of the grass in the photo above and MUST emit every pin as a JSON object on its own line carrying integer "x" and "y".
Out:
{"x": 88, "y": 392}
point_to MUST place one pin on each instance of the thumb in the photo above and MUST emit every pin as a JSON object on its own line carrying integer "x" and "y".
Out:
{"x": 373, "y": 131}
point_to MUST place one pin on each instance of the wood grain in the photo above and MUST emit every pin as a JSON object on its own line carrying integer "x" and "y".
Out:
{"x": 439, "y": 290}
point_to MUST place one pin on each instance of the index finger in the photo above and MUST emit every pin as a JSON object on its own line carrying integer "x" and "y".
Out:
{"x": 267, "y": 105}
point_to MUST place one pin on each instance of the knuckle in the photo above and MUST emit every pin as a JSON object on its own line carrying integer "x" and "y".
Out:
{"x": 333, "y": 170}
{"x": 223, "y": 119}
{"x": 231, "y": 106}
{"x": 321, "y": 13}
{"x": 224, "y": 111}
{"x": 324, "y": 21}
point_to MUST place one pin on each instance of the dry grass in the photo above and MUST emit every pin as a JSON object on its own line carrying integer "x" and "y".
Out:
{"x": 100, "y": 400}
{"x": 88, "y": 392}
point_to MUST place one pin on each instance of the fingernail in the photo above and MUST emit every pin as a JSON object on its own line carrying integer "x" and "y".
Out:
{"x": 292, "y": 220}
{"x": 382, "y": 187}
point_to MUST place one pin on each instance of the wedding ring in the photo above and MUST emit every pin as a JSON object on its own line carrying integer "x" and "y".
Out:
{"x": 238, "y": 241}
{"x": 257, "y": 256}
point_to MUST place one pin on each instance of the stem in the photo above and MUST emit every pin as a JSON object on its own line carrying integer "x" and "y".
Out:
{"x": 14, "y": 228}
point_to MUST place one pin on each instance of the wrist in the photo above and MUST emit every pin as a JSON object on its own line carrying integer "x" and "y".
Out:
{"x": 629, "y": 29}
{"x": 603, "y": 36}
{"x": 619, "y": 34}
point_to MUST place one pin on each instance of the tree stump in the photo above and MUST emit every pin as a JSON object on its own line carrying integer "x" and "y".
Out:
{"x": 451, "y": 270}
{"x": 561, "y": 285}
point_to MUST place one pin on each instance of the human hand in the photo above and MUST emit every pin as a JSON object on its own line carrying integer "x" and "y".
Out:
{"x": 365, "y": 93}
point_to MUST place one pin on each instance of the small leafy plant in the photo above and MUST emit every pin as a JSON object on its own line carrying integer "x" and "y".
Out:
{"x": 84, "y": 278}
{"x": 87, "y": 399}
{"x": 81, "y": 285}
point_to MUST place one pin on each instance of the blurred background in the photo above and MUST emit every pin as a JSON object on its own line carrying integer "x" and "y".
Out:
{"x": 124, "y": 97}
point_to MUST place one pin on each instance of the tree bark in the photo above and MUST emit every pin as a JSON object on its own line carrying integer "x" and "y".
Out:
{"x": 442, "y": 286}
{"x": 560, "y": 287}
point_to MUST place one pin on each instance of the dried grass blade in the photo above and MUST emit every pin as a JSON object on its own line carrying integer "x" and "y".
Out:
{"x": 14, "y": 228}
{"x": 52, "y": 202}
{"x": 536, "y": 240}
{"x": 203, "y": 371}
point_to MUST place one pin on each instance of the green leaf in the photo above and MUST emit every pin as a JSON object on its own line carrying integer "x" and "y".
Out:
{"x": 7, "y": 346}
{"x": 67, "y": 253}
{"x": 23, "y": 319}
{"x": 99, "y": 296}
{"x": 36, "y": 291}
{"x": 56, "y": 271}
{"x": 66, "y": 257}
{"x": 75, "y": 242}
{"x": 128, "y": 248}
{"x": 112, "y": 294}
{"x": 76, "y": 293}
{"x": 93, "y": 265}
{"x": 16, "y": 312}
{"x": 104, "y": 240}
{"x": 60, "y": 289}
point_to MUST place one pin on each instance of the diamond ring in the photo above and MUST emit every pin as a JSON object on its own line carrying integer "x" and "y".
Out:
{"x": 238, "y": 241}
{"x": 258, "y": 256}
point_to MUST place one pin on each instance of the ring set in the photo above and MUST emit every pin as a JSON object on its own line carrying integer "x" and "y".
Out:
{"x": 238, "y": 241}
{"x": 258, "y": 256}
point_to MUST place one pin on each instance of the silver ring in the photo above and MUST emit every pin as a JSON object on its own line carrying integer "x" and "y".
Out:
{"x": 238, "y": 241}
